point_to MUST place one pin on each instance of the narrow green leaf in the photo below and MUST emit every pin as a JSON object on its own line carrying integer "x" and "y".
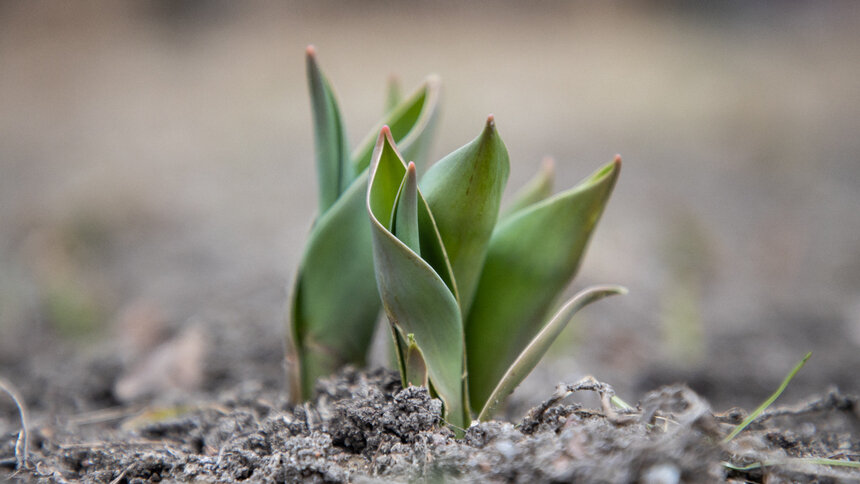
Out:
{"x": 411, "y": 124}
{"x": 531, "y": 355}
{"x": 464, "y": 191}
{"x": 405, "y": 218}
{"x": 767, "y": 403}
{"x": 532, "y": 256}
{"x": 335, "y": 303}
{"x": 535, "y": 190}
{"x": 415, "y": 298}
{"x": 393, "y": 94}
{"x": 334, "y": 172}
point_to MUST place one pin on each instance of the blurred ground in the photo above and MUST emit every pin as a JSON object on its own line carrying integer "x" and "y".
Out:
{"x": 156, "y": 170}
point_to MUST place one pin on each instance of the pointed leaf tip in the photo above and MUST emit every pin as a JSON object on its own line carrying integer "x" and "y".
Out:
{"x": 410, "y": 168}
{"x": 311, "y": 51}
{"x": 617, "y": 160}
{"x": 491, "y": 121}
{"x": 387, "y": 132}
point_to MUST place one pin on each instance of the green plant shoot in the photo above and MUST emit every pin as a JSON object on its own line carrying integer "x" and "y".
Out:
{"x": 335, "y": 304}
{"x": 468, "y": 293}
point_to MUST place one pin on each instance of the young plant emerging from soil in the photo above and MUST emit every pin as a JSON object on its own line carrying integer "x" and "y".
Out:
{"x": 335, "y": 304}
{"x": 468, "y": 289}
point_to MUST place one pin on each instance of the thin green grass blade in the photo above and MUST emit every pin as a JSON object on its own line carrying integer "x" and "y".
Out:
{"x": 411, "y": 124}
{"x": 415, "y": 298}
{"x": 621, "y": 403}
{"x": 532, "y": 257}
{"x": 531, "y": 355}
{"x": 334, "y": 172}
{"x": 767, "y": 403}
{"x": 464, "y": 191}
{"x": 535, "y": 190}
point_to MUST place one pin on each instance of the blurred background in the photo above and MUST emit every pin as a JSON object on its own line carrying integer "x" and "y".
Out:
{"x": 156, "y": 175}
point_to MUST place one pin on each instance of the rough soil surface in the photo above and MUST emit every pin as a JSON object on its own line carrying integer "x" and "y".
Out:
{"x": 363, "y": 427}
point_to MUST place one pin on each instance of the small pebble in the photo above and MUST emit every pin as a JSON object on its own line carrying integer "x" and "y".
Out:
{"x": 662, "y": 474}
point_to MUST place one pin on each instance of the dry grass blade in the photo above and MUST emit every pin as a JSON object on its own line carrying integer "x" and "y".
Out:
{"x": 794, "y": 460}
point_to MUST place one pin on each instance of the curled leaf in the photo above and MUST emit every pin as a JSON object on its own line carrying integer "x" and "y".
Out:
{"x": 415, "y": 298}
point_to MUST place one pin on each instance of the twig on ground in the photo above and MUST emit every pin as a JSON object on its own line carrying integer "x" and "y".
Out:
{"x": 588, "y": 383}
{"x": 22, "y": 446}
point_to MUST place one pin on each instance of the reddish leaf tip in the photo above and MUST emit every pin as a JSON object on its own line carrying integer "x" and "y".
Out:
{"x": 386, "y": 130}
{"x": 491, "y": 120}
{"x": 311, "y": 51}
{"x": 548, "y": 163}
{"x": 410, "y": 167}
{"x": 617, "y": 160}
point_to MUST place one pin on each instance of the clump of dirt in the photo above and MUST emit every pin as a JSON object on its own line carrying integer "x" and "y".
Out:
{"x": 362, "y": 426}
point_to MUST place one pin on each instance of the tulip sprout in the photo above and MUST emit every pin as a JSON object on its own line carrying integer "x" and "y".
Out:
{"x": 469, "y": 291}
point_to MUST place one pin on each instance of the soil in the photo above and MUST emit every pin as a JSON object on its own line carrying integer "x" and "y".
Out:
{"x": 362, "y": 426}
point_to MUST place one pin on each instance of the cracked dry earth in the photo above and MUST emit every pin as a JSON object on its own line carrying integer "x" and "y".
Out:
{"x": 363, "y": 427}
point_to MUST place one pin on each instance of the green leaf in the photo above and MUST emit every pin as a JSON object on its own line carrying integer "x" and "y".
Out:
{"x": 532, "y": 256}
{"x": 404, "y": 223}
{"x": 531, "y": 355}
{"x": 337, "y": 264}
{"x": 464, "y": 191}
{"x": 767, "y": 403}
{"x": 335, "y": 303}
{"x": 416, "y": 299}
{"x": 535, "y": 190}
{"x": 411, "y": 124}
{"x": 415, "y": 368}
{"x": 334, "y": 171}
{"x": 393, "y": 94}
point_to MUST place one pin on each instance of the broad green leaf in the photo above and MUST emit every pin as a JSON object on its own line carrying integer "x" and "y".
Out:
{"x": 334, "y": 172}
{"x": 531, "y": 258}
{"x": 531, "y": 355}
{"x": 415, "y": 298}
{"x": 335, "y": 303}
{"x": 464, "y": 191}
{"x": 411, "y": 124}
{"x": 393, "y": 94}
{"x": 535, "y": 190}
